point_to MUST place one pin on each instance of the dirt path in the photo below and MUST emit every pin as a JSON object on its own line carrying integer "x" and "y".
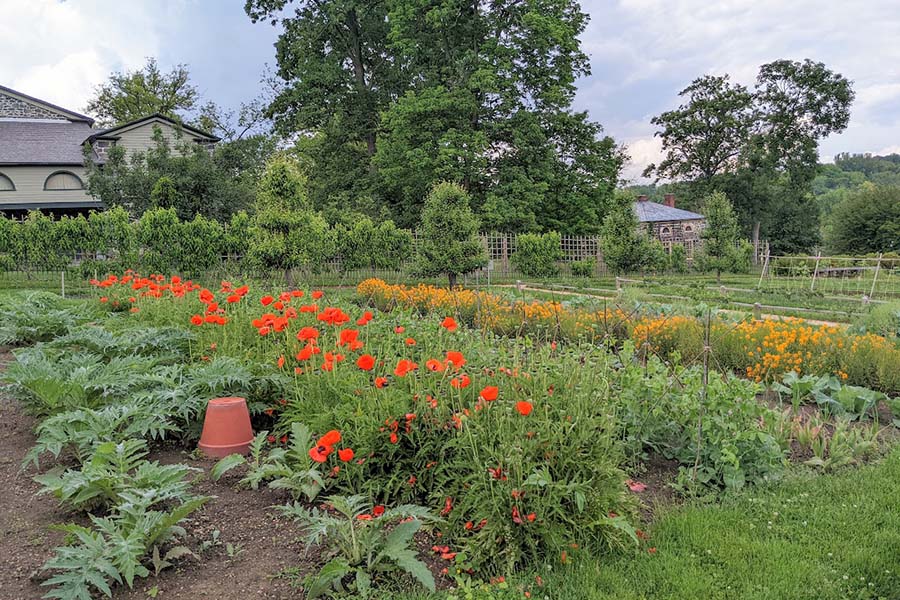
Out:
{"x": 264, "y": 543}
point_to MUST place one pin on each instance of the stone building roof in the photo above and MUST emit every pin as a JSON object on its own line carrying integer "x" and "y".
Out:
{"x": 42, "y": 143}
{"x": 650, "y": 212}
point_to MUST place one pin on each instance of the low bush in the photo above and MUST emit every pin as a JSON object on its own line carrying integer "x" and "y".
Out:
{"x": 583, "y": 268}
{"x": 536, "y": 254}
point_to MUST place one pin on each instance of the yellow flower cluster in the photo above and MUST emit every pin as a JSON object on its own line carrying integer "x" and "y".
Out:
{"x": 765, "y": 350}
{"x": 495, "y": 313}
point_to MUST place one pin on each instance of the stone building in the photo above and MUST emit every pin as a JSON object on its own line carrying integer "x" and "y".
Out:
{"x": 42, "y": 152}
{"x": 671, "y": 226}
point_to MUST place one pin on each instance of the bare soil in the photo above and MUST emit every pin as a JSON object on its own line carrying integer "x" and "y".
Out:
{"x": 254, "y": 548}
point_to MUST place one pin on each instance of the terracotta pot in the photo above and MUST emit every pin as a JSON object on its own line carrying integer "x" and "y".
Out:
{"x": 226, "y": 428}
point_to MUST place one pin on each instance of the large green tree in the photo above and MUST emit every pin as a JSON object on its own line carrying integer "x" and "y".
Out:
{"x": 419, "y": 91}
{"x": 129, "y": 95}
{"x": 720, "y": 234}
{"x": 868, "y": 220}
{"x": 760, "y": 147}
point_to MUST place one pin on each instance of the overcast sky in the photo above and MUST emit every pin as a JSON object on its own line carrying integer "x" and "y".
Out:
{"x": 642, "y": 53}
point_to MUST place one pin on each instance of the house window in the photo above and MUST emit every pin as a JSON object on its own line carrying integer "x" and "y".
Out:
{"x": 665, "y": 231}
{"x": 6, "y": 184}
{"x": 689, "y": 248}
{"x": 688, "y": 229}
{"x": 63, "y": 180}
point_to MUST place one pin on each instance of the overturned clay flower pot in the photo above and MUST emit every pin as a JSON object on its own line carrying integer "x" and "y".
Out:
{"x": 226, "y": 428}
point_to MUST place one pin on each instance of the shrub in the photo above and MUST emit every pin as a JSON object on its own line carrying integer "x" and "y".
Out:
{"x": 583, "y": 268}
{"x": 536, "y": 254}
{"x": 449, "y": 229}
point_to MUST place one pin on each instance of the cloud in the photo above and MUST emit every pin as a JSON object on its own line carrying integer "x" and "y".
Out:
{"x": 643, "y": 52}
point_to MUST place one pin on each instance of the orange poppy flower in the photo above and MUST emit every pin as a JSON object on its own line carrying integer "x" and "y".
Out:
{"x": 524, "y": 408}
{"x": 197, "y": 320}
{"x": 381, "y": 382}
{"x": 267, "y": 300}
{"x": 449, "y": 323}
{"x": 346, "y": 454}
{"x": 281, "y": 361}
{"x": 317, "y": 294}
{"x": 399, "y": 329}
{"x": 489, "y": 393}
{"x": 410, "y": 342}
{"x": 461, "y": 382}
{"x": 306, "y": 353}
{"x": 233, "y": 298}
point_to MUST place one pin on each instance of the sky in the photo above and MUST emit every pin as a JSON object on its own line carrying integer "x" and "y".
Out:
{"x": 643, "y": 52}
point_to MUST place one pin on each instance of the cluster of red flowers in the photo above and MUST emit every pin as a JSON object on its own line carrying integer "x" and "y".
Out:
{"x": 325, "y": 446}
{"x": 154, "y": 286}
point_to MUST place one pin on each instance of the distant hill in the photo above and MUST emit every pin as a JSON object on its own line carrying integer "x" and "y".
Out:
{"x": 849, "y": 172}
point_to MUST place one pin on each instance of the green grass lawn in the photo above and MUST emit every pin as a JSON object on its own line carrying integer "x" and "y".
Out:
{"x": 809, "y": 537}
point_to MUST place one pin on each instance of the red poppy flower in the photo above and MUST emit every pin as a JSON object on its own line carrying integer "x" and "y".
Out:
{"x": 264, "y": 330}
{"x": 378, "y": 510}
{"x": 267, "y": 300}
{"x": 308, "y": 333}
{"x": 405, "y": 366}
{"x": 399, "y": 329}
{"x": 448, "y": 506}
{"x": 233, "y": 298}
{"x": 394, "y": 438}
{"x": 320, "y": 453}
{"x": 449, "y": 323}
{"x": 297, "y": 293}
{"x": 306, "y": 352}
{"x": 104, "y": 299}
{"x": 197, "y": 320}
{"x": 460, "y": 382}
{"x": 381, "y": 382}
{"x": 515, "y": 516}
{"x": 456, "y": 358}
{"x": 281, "y": 361}
{"x": 279, "y": 305}
{"x": 489, "y": 393}
{"x": 365, "y": 362}
{"x": 317, "y": 294}
{"x": 531, "y": 517}
{"x": 331, "y": 438}
{"x": 410, "y": 342}
{"x": 348, "y": 336}
{"x": 434, "y": 365}
{"x": 346, "y": 454}
{"x": 524, "y": 408}
{"x": 363, "y": 517}
{"x": 206, "y": 296}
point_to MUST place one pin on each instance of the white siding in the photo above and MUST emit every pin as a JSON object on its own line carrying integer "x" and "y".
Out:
{"x": 140, "y": 139}
{"x": 29, "y": 182}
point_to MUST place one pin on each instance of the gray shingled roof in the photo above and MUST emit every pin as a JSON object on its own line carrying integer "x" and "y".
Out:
{"x": 32, "y": 142}
{"x": 648, "y": 212}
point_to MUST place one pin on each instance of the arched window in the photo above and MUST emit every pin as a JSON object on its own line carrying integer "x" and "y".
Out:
{"x": 665, "y": 231}
{"x": 688, "y": 229}
{"x": 63, "y": 180}
{"x": 6, "y": 184}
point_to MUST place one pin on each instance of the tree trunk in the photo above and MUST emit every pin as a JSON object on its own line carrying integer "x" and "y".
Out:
{"x": 359, "y": 71}
{"x": 452, "y": 278}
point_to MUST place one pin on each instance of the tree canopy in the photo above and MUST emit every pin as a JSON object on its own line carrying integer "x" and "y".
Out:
{"x": 401, "y": 94}
{"x": 758, "y": 146}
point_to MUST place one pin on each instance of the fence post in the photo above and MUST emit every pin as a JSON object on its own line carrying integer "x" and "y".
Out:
{"x": 765, "y": 267}
{"x": 812, "y": 286}
{"x": 875, "y": 279}
{"x": 62, "y": 283}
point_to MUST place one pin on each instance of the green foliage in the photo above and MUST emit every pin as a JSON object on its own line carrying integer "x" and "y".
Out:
{"x": 406, "y": 94}
{"x": 624, "y": 247}
{"x": 868, "y": 220}
{"x": 737, "y": 444}
{"x": 720, "y": 234}
{"x": 362, "y": 244}
{"x": 164, "y": 193}
{"x": 678, "y": 259}
{"x": 369, "y": 547}
{"x": 537, "y": 254}
{"x": 449, "y": 243}
{"x": 289, "y": 468}
{"x": 127, "y": 96}
{"x": 760, "y": 146}
{"x": 112, "y": 470}
{"x": 37, "y": 317}
{"x": 583, "y": 268}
